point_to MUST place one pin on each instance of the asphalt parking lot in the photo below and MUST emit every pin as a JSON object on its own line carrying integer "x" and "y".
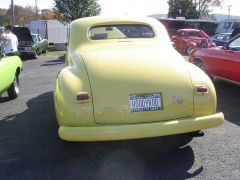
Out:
{"x": 30, "y": 147}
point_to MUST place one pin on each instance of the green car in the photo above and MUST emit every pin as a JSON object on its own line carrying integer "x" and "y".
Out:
{"x": 10, "y": 68}
{"x": 40, "y": 45}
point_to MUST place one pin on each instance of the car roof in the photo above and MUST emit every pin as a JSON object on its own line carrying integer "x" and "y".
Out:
{"x": 83, "y": 25}
{"x": 98, "y": 20}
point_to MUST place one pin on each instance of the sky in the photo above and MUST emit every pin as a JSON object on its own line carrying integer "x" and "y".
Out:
{"x": 128, "y": 7}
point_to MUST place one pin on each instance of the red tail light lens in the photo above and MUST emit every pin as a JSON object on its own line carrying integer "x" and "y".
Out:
{"x": 82, "y": 96}
{"x": 201, "y": 89}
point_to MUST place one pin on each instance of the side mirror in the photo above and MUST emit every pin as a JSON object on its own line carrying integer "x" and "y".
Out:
{"x": 2, "y": 55}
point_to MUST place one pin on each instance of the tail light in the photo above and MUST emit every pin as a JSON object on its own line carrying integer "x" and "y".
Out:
{"x": 201, "y": 89}
{"x": 82, "y": 96}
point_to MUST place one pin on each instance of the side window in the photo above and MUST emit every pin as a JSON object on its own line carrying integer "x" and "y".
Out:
{"x": 34, "y": 38}
{"x": 193, "y": 33}
{"x": 181, "y": 33}
{"x": 220, "y": 37}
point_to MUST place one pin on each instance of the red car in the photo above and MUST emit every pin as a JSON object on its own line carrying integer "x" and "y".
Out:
{"x": 186, "y": 40}
{"x": 220, "y": 62}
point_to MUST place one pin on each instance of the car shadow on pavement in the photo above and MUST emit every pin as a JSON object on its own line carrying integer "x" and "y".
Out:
{"x": 59, "y": 60}
{"x": 31, "y": 149}
{"x": 228, "y": 100}
{"x": 27, "y": 57}
{"x": 5, "y": 99}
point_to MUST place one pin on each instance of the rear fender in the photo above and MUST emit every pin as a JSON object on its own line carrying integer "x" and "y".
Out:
{"x": 203, "y": 104}
{"x": 70, "y": 81}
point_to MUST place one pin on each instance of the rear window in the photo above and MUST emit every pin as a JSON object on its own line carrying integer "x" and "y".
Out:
{"x": 193, "y": 33}
{"x": 120, "y": 32}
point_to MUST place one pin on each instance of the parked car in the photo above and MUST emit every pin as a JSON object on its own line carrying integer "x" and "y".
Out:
{"x": 186, "y": 40}
{"x": 40, "y": 45}
{"x": 124, "y": 80}
{"x": 25, "y": 42}
{"x": 220, "y": 39}
{"x": 221, "y": 62}
{"x": 10, "y": 68}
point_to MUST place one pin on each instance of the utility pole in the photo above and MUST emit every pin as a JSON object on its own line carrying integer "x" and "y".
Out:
{"x": 36, "y": 10}
{"x": 12, "y": 13}
{"x": 229, "y": 9}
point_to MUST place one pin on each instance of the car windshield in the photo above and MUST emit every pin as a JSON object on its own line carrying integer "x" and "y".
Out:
{"x": 120, "y": 32}
{"x": 34, "y": 38}
{"x": 235, "y": 45}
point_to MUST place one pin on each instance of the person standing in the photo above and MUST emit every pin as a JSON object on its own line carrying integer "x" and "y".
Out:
{"x": 10, "y": 42}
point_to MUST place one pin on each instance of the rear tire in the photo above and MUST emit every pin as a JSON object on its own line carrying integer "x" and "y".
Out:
{"x": 201, "y": 65}
{"x": 44, "y": 51}
{"x": 36, "y": 54}
{"x": 13, "y": 91}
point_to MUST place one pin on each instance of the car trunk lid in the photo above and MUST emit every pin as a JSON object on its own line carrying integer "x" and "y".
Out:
{"x": 123, "y": 78}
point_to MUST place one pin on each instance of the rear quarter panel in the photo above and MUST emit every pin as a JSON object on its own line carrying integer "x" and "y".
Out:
{"x": 71, "y": 80}
{"x": 203, "y": 104}
{"x": 8, "y": 69}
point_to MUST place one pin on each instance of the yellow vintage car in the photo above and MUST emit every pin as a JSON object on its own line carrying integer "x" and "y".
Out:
{"x": 124, "y": 80}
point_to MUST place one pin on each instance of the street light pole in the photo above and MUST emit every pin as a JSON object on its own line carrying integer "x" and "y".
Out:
{"x": 229, "y": 9}
{"x": 12, "y": 13}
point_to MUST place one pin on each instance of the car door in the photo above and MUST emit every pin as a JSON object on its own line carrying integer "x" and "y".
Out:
{"x": 40, "y": 43}
{"x": 225, "y": 62}
{"x": 44, "y": 43}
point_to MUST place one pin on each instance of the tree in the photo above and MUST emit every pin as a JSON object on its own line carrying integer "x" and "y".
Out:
{"x": 23, "y": 15}
{"x": 69, "y": 10}
{"x": 203, "y": 6}
{"x": 4, "y": 19}
{"x": 182, "y": 8}
{"x": 192, "y": 9}
{"x": 47, "y": 14}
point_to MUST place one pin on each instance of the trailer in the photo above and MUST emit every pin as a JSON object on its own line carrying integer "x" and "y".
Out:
{"x": 53, "y": 30}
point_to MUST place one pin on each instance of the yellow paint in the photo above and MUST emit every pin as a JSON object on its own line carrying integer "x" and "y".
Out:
{"x": 111, "y": 70}
{"x": 134, "y": 131}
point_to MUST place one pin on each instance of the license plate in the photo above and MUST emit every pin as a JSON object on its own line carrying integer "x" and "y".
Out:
{"x": 145, "y": 102}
